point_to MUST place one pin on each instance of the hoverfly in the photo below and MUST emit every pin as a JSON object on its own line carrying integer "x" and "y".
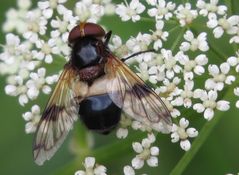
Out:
{"x": 96, "y": 86}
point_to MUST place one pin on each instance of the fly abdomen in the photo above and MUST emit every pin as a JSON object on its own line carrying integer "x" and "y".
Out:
{"x": 99, "y": 113}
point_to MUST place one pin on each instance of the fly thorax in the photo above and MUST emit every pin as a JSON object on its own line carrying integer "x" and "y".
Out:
{"x": 85, "y": 52}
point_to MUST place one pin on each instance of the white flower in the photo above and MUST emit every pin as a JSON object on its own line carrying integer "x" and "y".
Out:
{"x": 109, "y": 8}
{"x": 182, "y": 133}
{"x": 12, "y": 43}
{"x": 63, "y": 26}
{"x": 24, "y": 4}
{"x": 91, "y": 11}
{"x": 36, "y": 25}
{"x": 116, "y": 45}
{"x": 11, "y": 49}
{"x": 154, "y": 69}
{"x": 220, "y": 76}
{"x": 122, "y": 131}
{"x": 159, "y": 35}
{"x": 229, "y": 25}
{"x": 140, "y": 43}
{"x": 47, "y": 49}
{"x": 130, "y": 11}
{"x": 47, "y": 7}
{"x": 235, "y": 38}
{"x": 212, "y": 7}
{"x": 38, "y": 81}
{"x": 142, "y": 126}
{"x": 170, "y": 65}
{"x": 16, "y": 87}
{"x": 185, "y": 95}
{"x": 15, "y": 18}
{"x": 151, "y": 70}
{"x": 147, "y": 126}
{"x": 128, "y": 170}
{"x": 185, "y": 14}
{"x": 236, "y": 92}
{"x": 84, "y": 12}
{"x": 161, "y": 9}
{"x": 91, "y": 168}
{"x": 234, "y": 61}
{"x": 169, "y": 86}
{"x": 194, "y": 44}
{"x": 192, "y": 66}
{"x": 32, "y": 119}
{"x": 145, "y": 153}
{"x": 173, "y": 111}
{"x": 210, "y": 103}
{"x": 16, "y": 59}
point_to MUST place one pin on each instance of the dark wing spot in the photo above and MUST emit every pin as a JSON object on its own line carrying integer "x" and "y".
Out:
{"x": 52, "y": 112}
{"x": 139, "y": 88}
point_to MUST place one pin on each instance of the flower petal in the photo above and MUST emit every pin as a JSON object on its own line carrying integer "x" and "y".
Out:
{"x": 208, "y": 114}
{"x": 223, "y": 105}
{"x": 128, "y": 170}
{"x": 152, "y": 161}
{"x": 185, "y": 145}
{"x": 137, "y": 163}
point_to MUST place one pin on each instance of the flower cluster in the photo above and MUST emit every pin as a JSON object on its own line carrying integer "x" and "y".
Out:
{"x": 181, "y": 133}
{"x": 187, "y": 70}
{"x": 32, "y": 119}
{"x": 91, "y": 168}
{"x": 145, "y": 153}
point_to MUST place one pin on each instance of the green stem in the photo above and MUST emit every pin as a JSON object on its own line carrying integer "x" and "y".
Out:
{"x": 126, "y": 2}
{"x": 150, "y": 19}
{"x": 177, "y": 40}
{"x": 172, "y": 20}
{"x": 145, "y": 19}
{"x": 198, "y": 142}
{"x": 173, "y": 29}
{"x": 229, "y": 5}
{"x": 234, "y": 4}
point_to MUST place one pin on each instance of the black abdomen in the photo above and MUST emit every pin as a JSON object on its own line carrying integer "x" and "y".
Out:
{"x": 99, "y": 113}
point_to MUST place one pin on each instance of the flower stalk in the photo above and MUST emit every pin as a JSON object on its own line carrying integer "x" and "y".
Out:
{"x": 205, "y": 132}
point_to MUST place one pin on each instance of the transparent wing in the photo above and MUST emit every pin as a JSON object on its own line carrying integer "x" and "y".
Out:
{"x": 136, "y": 99}
{"x": 57, "y": 118}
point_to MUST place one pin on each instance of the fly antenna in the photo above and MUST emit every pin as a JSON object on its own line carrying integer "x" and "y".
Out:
{"x": 107, "y": 38}
{"x": 137, "y": 53}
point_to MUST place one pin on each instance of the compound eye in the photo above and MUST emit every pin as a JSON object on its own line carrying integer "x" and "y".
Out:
{"x": 85, "y": 29}
{"x": 91, "y": 29}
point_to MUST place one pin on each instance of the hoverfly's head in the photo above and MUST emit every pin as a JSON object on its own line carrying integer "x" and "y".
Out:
{"x": 85, "y": 30}
{"x": 86, "y": 41}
